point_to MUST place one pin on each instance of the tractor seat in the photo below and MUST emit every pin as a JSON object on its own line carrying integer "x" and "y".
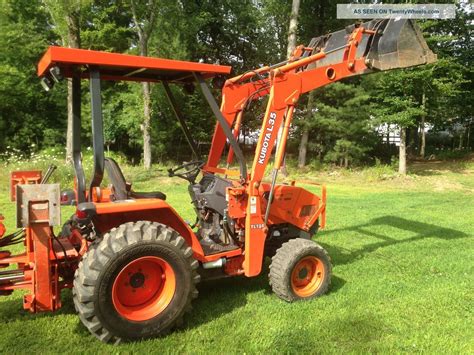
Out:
{"x": 121, "y": 189}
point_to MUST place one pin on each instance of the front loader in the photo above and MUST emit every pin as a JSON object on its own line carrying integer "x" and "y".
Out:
{"x": 131, "y": 260}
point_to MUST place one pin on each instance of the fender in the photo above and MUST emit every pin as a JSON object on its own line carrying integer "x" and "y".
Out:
{"x": 108, "y": 215}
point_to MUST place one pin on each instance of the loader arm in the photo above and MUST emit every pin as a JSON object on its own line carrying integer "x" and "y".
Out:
{"x": 359, "y": 49}
{"x": 377, "y": 45}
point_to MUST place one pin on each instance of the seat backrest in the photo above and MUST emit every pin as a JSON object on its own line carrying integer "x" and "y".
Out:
{"x": 117, "y": 179}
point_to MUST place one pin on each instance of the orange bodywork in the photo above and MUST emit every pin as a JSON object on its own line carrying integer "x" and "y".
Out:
{"x": 112, "y": 214}
{"x": 284, "y": 85}
{"x": 116, "y": 66}
{"x": 23, "y": 177}
{"x": 2, "y": 227}
{"x": 39, "y": 263}
{"x": 254, "y": 207}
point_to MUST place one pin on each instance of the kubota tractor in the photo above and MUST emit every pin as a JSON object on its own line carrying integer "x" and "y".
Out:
{"x": 131, "y": 260}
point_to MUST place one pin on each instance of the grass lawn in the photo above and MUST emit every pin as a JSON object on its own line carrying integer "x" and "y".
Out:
{"x": 403, "y": 255}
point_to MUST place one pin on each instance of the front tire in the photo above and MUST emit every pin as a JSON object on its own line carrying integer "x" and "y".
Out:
{"x": 136, "y": 282}
{"x": 300, "y": 270}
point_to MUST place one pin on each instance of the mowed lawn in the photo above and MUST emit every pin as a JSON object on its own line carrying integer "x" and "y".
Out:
{"x": 403, "y": 281}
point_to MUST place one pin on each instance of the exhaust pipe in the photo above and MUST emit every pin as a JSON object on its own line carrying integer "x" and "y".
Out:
{"x": 214, "y": 264}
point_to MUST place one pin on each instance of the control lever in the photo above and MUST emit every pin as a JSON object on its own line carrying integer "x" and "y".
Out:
{"x": 48, "y": 174}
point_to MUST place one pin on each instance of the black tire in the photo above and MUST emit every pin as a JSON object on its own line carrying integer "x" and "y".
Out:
{"x": 275, "y": 243}
{"x": 287, "y": 258}
{"x": 100, "y": 267}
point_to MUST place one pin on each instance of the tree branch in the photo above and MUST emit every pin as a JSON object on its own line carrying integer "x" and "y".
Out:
{"x": 152, "y": 19}
{"x": 135, "y": 19}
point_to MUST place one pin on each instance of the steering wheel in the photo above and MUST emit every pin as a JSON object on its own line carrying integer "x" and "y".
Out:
{"x": 188, "y": 171}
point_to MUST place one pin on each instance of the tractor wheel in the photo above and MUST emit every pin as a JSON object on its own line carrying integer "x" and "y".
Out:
{"x": 136, "y": 282}
{"x": 300, "y": 270}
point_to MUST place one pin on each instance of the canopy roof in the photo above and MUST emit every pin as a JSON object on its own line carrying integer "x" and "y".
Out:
{"x": 115, "y": 66}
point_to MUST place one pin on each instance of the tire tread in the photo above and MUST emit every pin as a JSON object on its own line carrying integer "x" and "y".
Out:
{"x": 103, "y": 251}
{"x": 283, "y": 261}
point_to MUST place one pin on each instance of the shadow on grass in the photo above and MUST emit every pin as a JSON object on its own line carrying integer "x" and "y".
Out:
{"x": 342, "y": 256}
{"x": 217, "y": 298}
{"x": 220, "y": 297}
{"x": 12, "y": 310}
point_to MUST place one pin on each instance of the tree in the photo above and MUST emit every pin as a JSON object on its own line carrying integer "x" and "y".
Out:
{"x": 144, "y": 19}
{"x": 315, "y": 21}
{"x": 66, "y": 16}
{"x": 334, "y": 124}
{"x": 295, "y": 7}
{"x": 340, "y": 134}
{"x": 30, "y": 118}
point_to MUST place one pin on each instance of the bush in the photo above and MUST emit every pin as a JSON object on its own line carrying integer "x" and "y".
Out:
{"x": 452, "y": 154}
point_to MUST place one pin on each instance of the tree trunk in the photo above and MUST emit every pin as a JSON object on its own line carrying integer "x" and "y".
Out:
{"x": 143, "y": 47}
{"x": 146, "y": 110}
{"x": 402, "y": 159}
{"x": 144, "y": 28}
{"x": 305, "y": 135}
{"x": 468, "y": 143}
{"x": 461, "y": 139}
{"x": 69, "y": 147}
{"x": 411, "y": 139}
{"x": 146, "y": 125}
{"x": 422, "y": 125}
{"x": 302, "y": 149}
{"x": 295, "y": 7}
{"x": 73, "y": 41}
{"x": 423, "y": 137}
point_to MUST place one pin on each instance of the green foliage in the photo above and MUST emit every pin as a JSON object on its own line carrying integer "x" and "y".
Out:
{"x": 453, "y": 154}
{"x": 26, "y": 112}
{"x": 244, "y": 34}
{"x": 340, "y": 125}
{"x": 346, "y": 152}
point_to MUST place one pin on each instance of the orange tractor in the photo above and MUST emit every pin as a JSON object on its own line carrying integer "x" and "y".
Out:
{"x": 131, "y": 260}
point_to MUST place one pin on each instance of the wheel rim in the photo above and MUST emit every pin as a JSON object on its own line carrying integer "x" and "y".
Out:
{"x": 143, "y": 288}
{"x": 307, "y": 276}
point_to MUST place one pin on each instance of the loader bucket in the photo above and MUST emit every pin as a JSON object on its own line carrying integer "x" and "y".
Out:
{"x": 398, "y": 43}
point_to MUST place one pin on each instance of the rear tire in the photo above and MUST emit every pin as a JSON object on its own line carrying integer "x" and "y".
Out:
{"x": 300, "y": 270}
{"x": 136, "y": 282}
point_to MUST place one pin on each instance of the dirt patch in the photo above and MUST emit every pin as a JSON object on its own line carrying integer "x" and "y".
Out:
{"x": 442, "y": 183}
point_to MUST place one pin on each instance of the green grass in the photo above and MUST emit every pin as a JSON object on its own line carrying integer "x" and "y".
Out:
{"x": 403, "y": 255}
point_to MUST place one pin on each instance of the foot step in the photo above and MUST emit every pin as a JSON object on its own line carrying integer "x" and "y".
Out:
{"x": 210, "y": 247}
